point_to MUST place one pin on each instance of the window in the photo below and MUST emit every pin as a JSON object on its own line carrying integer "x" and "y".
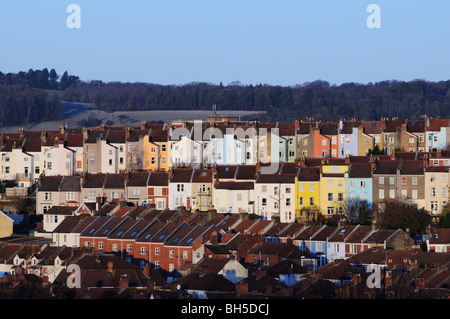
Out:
{"x": 324, "y": 142}
{"x": 414, "y": 181}
{"x": 301, "y": 187}
{"x": 185, "y": 254}
{"x": 311, "y": 201}
{"x": 157, "y": 264}
{"x": 114, "y": 247}
{"x": 153, "y": 160}
{"x": 180, "y": 187}
{"x": 264, "y": 201}
{"x": 288, "y": 202}
{"x": 404, "y": 193}
{"x": 363, "y": 184}
{"x": 340, "y": 184}
{"x": 381, "y": 180}
{"x": 275, "y": 205}
{"x": 391, "y": 180}
{"x": 157, "y": 251}
{"x": 391, "y": 193}
{"x": 110, "y": 162}
{"x": 128, "y": 249}
{"x": 352, "y": 183}
{"x": 171, "y": 267}
{"x": 171, "y": 253}
{"x": 275, "y": 191}
{"x": 163, "y": 147}
{"x": 239, "y": 197}
{"x": 414, "y": 194}
{"x": 288, "y": 189}
{"x": 330, "y": 210}
{"x": 391, "y": 140}
{"x": 300, "y": 201}
{"x": 330, "y": 184}
{"x": 444, "y": 192}
{"x": 433, "y": 191}
{"x": 153, "y": 149}
{"x": 264, "y": 188}
{"x": 100, "y": 245}
{"x": 142, "y": 250}
{"x": 404, "y": 181}
{"x": 434, "y": 206}
{"x": 330, "y": 197}
{"x": 70, "y": 196}
{"x": 381, "y": 193}
{"x": 311, "y": 187}
{"x": 432, "y": 178}
{"x": 48, "y": 196}
{"x": 340, "y": 197}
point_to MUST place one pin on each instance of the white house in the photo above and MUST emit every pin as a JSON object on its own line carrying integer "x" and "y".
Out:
{"x": 275, "y": 196}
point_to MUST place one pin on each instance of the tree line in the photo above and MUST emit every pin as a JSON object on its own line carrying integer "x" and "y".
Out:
{"x": 24, "y": 98}
{"x": 318, "y": 100}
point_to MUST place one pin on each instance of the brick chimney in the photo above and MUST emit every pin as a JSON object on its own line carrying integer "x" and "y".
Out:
{"x": 214, "y": 238}
{"x": 241, "y": 287}
{"x": 123, "y": 282}
{"x": 110, "y": 266}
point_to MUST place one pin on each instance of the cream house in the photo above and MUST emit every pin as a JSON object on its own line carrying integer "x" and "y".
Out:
{"x": 6, "y": 225}
{"x": 234, "y": 197}
{"x": 436, "y": 189}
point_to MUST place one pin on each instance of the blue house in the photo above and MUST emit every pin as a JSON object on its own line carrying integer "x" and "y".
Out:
{"x": 359, "y": 184}
{"x": 314, "y": 240}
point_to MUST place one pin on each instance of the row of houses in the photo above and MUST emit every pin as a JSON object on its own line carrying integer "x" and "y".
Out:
{"x": 26, "y": 155}
{"x": 297, "y": 190}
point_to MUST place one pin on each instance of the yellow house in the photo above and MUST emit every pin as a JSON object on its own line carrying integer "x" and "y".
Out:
{"x": 333, "y": 191}
{"x": 6, "y": 225}
{"x": 156, "y": 151}
{"x": 307, "y": 190}
{"x": 202, "y": 188}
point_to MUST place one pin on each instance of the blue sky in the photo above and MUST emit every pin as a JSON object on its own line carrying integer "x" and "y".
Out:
{"x": 285, "y": 42}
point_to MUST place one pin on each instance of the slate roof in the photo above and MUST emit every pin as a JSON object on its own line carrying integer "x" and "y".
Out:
{"x": 94, "y": 180}
{"x": 115, "y": 181}
{"x": 275, "y": 179}
{"x": 181, "y": 175}
{"x": 49, "y": 183}
{"x": 235, "y": 185}
{"x": 61, "y": 210}
{"x": 387, "y": 167}
{"x": 158, "y": 179}
{"x": 137, "y": 179}
{"x": 412, "y": 167}
{"x": 360, "y": 170}
{"x": 225, "y": 171}
{"x": 71, "y": 184}
{"x": 310, "y": 174}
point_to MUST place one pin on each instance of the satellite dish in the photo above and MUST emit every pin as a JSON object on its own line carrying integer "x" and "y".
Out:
{"x": 178, "y": 287}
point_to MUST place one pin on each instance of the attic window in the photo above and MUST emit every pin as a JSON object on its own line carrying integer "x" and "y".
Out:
{"x": 190, "y": 239}
{"x": 342, "y": 231}
{"x": 91, "y": 230}
{"x": 119, "y": 233}
{"x": 162, "y": 237}
{"x": 134, "y": 233}
{"x": 146, "y": 237}
{"x": 176, "y": 239}
{"x": 105, "y": 231}
{"x": 204, "y": 173}
{"x": 373, "y": 124}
